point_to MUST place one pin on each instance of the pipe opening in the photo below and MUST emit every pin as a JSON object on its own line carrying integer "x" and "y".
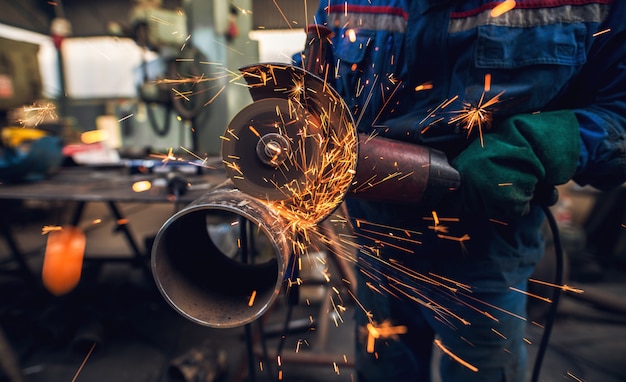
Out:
{"x": 217, "y": 266}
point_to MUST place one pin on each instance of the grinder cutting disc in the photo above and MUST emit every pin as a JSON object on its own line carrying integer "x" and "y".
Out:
{"x": 295, "y": 146}
{"x": 268, "y": 147}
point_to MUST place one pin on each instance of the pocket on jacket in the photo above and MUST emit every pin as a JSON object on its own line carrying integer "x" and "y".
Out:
{"x": 511, "y": 48}
{"x": 532, "y": 64}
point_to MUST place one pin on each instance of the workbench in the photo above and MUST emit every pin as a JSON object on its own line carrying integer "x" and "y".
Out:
{"x": 110, "y": 185}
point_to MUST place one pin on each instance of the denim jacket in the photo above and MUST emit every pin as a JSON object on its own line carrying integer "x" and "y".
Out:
{"x": 410, "y": 67}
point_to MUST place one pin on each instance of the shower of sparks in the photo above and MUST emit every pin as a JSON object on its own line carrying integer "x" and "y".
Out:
{"x": 192, "y": 83}
{"x": 331, "y": 174}
{"x": 36, "y": 114}
{"x": 502, "y": 8}
{"x": 323, "y": 189}
{"x": 323, "y": 149}
{"x": 166, "y": 158}
{"x": 477, "y": 116}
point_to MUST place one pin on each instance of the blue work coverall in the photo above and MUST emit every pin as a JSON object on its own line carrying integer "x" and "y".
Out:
{"x": 407, "y": 68}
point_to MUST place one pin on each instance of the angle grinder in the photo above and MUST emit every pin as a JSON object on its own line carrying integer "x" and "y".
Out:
{"x": 297, "y": 146}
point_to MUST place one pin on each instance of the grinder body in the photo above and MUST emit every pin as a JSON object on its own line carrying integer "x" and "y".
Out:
{"x": 395, "y": 171}
{"x": 388, "y": 170}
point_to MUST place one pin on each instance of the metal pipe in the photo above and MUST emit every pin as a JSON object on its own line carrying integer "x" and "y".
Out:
{"x": 196, "y": 259}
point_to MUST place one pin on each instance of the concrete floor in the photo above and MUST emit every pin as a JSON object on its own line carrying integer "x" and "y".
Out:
{"x": 115, "y": 326}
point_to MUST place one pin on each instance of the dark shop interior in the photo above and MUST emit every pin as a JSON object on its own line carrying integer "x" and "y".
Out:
{"x": 178, "y": 180}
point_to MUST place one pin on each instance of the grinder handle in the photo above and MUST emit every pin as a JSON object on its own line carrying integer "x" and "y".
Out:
{"x": 401, "y": 172}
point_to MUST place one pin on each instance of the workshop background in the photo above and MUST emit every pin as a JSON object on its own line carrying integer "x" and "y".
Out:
{"x": 82, "y": 91}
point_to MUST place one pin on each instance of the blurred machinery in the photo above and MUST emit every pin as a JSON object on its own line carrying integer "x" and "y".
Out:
{"x": 33, "y": 150}
{"x": 175, "y": 86}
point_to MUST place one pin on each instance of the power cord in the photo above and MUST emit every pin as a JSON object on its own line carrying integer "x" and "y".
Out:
{"x": 558, "y": 280}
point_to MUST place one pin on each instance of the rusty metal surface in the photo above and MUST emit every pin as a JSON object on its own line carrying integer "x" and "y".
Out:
{"x": 221, "y": 261}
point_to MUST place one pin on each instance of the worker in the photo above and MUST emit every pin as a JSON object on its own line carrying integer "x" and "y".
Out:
{"x": 520, "y": 96}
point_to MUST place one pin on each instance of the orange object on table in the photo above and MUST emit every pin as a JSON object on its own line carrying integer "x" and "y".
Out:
{"x": 63, "y": 260}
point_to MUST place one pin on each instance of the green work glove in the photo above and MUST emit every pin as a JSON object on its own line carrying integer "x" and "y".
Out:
{"x": 499, "y": 178}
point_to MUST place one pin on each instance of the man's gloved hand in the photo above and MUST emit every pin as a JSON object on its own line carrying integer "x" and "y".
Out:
{"x": 524, "y": 151}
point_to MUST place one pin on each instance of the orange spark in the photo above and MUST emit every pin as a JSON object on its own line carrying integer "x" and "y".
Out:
{"x": 385, "y": 330}
{"x": 601, "y": 32}
{"x": 93, "y": 136}
{"x": 125, "y": 118}
{"x": 142, "y": 185}
{"x": 165, "y": 158}
{"x": 487, "y": 86}
{"x": 215, "y": 96}
{"x": 476, "y": 116}
{"x": 502, "y": 8}
{"x": 565, "y": 287}
{"x": 498, "y": 221}
{"x": 454, "y": 238}
{"x": 351, "y": 35}
{"x": 282, "y": 14}
{"x": 570, "y": 374}
{"x": 49, "y": 228}
{"x": 545, "y": 299}
{"x": 84, "y": 362}
{"x": 435, "y": 217}
{"x": 454, "y": 356}
{"x": 254, "y": 131}
{"x": 425, "y": 86}
{"x": 252, "y": 297}
{"x": 498, "y": 333}
{"x": 37, "y": 113}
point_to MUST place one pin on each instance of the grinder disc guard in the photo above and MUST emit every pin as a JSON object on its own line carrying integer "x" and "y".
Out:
{"x": 272, "y": 148}
{"x": 295, "y": 146}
